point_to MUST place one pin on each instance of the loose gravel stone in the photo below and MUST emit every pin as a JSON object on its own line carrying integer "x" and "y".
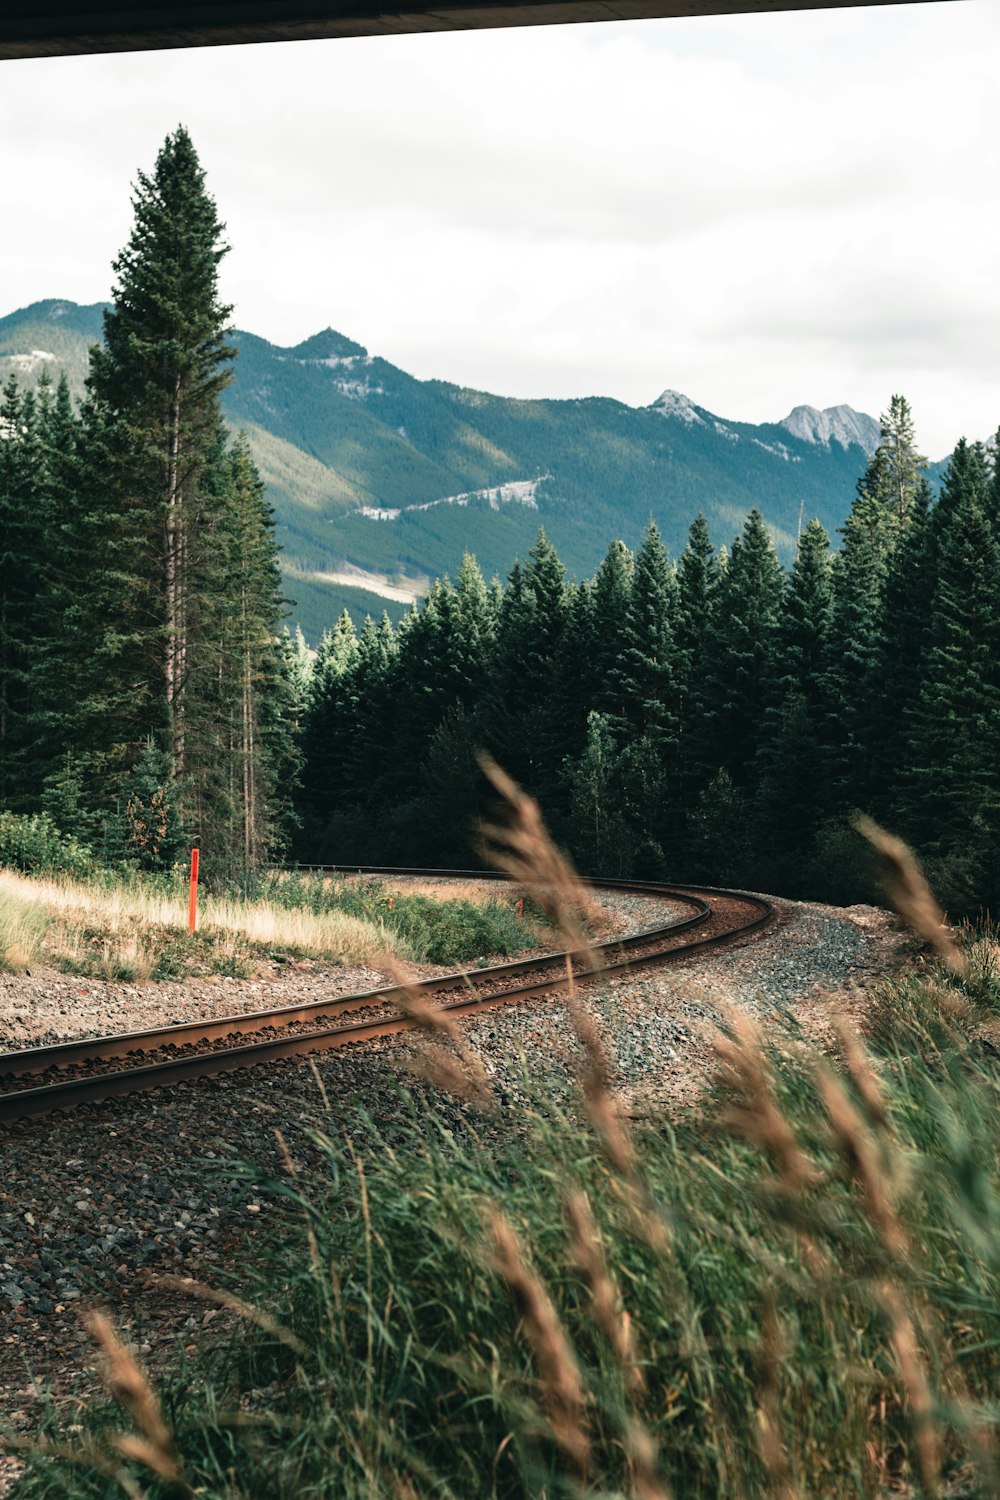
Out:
{"x": 90, "y": 1201}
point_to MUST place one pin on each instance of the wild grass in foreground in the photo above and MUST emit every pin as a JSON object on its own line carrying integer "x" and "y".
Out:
{"x": 135, "y": 928}
{"x": 795, "y": 1293}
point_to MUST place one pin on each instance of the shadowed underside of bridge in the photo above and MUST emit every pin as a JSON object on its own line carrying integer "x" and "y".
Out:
{"x": 53, "y": 28}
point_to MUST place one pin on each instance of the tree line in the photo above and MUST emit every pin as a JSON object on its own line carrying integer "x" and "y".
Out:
{"x": 713, "y": 718}
{"x": 145, "y": 691}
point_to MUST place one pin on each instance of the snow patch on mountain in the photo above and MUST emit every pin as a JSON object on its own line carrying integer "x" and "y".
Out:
{"x": 400, "y": 588}
{"x": 676, "y": 404}
{"x": 835, "y": 424}
{"x": 29, "y": 361}
{"x": 779, "y": 450}
{"x": 341, "y": 361}
{"x": 515, "y": 492}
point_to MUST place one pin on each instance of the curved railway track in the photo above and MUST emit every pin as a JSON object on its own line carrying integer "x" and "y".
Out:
{"x": 39, "y": 1080}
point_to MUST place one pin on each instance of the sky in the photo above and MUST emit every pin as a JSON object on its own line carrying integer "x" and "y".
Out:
{"x": 759, "y": 211}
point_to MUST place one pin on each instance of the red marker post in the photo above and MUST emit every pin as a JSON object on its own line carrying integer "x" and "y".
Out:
{"x": 193, "y": 904}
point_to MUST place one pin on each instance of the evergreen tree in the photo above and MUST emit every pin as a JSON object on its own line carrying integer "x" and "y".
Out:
{"x": 153, "y": 429}
{"x": 899, "y": 656}
{"x": 859, "y": 577}
{"x": 524, "y": 725}
{"x": 804, "y": 627}
{"x": 789, "y": 772}
{"x": 697, "y": 580}
{"x": 19, "y": 585}
{"x": 327, "y": 735}
{"x": 610, "y": 597}
{"x": 602, "y": 839}
{"x": 903, "y": 467}
{"x": 645, "y": 675}
{"x": 738, "y": 655}
{"x": 950, "y": 788}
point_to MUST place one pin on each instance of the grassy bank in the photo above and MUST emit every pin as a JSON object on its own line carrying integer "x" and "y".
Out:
{"x": 794, "y": 1294}
{"x": 135, "y": 928}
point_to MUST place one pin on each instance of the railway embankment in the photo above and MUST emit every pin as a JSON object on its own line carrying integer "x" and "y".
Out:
{"x": 93, "y": 1200}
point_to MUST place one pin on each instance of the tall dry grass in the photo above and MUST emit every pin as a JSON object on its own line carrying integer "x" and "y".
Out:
{"x": 122, "y": 930}
{"x": 795, "y": 1294}
{"x": 23, "y": 931}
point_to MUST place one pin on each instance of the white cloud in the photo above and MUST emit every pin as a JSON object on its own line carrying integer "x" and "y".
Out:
{"x": 759, "y": 210}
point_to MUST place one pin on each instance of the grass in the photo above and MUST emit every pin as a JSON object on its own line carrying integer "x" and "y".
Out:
{"x": 116, "y": 928}
{"x": 793, "y": 1293}
{"x": 23, "y": 930}
{"x": 467, "y": 924}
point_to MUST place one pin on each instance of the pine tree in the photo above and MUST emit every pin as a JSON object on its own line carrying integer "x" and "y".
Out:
{"x": 804, "y": 627}
{"x": 902, "y": 642}
{"x": 904, "y": 467}
{"x": 697, "y": 581}
{"x": 154, "y": 422}
{"x": 698, "y": 576}
{"x": 950, "y": 788}
{"x": 524, "y": 726}
{"x": 738, "y": 655}
{"x": 327, "y": 734}
{"x": 789, "y": 771}
{"x": 255, "y": 751}
{"x": 859, "y": 578}
{"x": 610, "y": 596}
{"x": 645, "y": 673}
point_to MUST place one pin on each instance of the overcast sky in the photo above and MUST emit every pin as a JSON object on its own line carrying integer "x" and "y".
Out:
{"x": 756, "y": 210}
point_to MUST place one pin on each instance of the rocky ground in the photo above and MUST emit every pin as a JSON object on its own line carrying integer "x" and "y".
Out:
{"x": 90, "y": 1201}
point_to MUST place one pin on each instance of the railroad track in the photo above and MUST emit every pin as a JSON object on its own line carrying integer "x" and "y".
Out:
{"x": 39, "y": 1080}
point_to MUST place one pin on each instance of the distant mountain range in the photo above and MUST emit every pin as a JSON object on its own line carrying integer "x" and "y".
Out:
{"x": 380, "y": 481}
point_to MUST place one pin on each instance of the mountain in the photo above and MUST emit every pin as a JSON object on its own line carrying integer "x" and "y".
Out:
{"x": 380, "y": 481}
{"x": 837, "y": 424}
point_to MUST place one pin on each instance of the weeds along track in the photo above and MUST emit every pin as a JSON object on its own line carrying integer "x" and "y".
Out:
{"x": 39, "y": 1080}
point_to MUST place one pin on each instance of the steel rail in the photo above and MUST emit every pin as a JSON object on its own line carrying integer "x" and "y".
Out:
{"x": 615, "y": 957}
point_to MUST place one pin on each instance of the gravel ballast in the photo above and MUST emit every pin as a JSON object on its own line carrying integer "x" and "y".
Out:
{"x": 142, "y": 1183}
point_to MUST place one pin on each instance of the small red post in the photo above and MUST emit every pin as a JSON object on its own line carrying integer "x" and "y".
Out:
{"x": 520, "y": 908}
{"x": 193, "y": 905}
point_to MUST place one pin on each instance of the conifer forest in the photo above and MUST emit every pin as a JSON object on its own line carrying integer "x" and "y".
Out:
{"x": 713, "y": 717}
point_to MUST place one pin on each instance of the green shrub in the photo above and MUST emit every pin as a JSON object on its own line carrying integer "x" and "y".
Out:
{"x": 437, "y": 931}
{"x": 35, "y": 846}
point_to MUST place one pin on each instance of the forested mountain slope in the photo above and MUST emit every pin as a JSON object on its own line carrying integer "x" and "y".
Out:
{"x": 381, "y": 481}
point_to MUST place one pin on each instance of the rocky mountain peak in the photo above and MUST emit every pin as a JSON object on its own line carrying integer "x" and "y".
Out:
{"x": 835, "y": 424}
{"x": 676, "y": 404}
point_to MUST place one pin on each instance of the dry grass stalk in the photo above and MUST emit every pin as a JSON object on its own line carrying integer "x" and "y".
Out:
{"x": 561, "y": 1388}
{"x": 862, "y": 1072}
{"x": 862, "y": 1160}
{"x": 460, "y": 1072}
{"x": 588, "y": 1254}
{"x": 219, "y": 1297}
{"x": 320, "y": 1084}
{"x": 910, "y": 1360}
{"x": 523, "y": 849}
{"x": 759, "y": 1119}
{"x": 641, "y": 1453}
{"x": 907, "y": 889}
{"x": 769, "y": 1439}
{"x": 129, "y": 1386}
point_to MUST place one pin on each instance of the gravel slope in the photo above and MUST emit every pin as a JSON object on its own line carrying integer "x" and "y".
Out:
{"x": 87, "y": 1201}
